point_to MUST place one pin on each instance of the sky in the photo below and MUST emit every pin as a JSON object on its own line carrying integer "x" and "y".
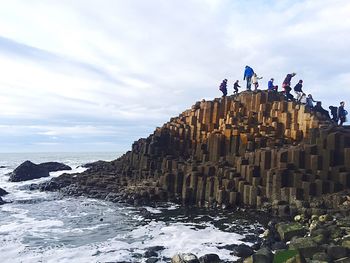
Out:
{"x": 96, "y": 75}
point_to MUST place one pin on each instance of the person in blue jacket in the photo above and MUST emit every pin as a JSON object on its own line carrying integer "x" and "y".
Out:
{"x": 248, "y": 73}
{"x": 342, "y": 113}
{"x": 271, "y": 86}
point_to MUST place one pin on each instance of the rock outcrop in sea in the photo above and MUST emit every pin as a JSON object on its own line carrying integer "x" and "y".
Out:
{"x": 254, "y": 149}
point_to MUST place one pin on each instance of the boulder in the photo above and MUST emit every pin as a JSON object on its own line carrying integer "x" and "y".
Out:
{"x": 321, "y": 256}
{"x": 28, "y": 171}
{"x": 336, "y": 252}
{"x": 3, "y": 192}
{"x": 55, "y": 166}
{"x": 263, "y": 255}
{"x": 184, "y": 258}
{"x": 242, "y": 251}
{"x": 210, "y": 258}
{"x": 288, "y": 230}
{"x": 306, "y": 246}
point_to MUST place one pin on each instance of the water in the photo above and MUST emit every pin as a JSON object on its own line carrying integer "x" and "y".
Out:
{"x": 48, "y": 227}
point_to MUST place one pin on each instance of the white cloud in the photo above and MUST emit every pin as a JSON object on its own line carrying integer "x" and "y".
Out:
{"x": 135, "y": 63}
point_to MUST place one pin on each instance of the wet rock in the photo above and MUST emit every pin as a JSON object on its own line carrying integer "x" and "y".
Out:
{"x": 289, "y": 230}
{"x": 337, "y": 252}
{"x": 306, "y": 246}
{"x": 184, "y": 258}
{"x": 54, "y": 166}
{"x": 152, "y": 260}
{"x": 2, "y": 201}
{"x": 28, "y": 171}
{"x": 279, "y": 245}
{"x": 3, "y": 192}
{"x": 242, "y": 251}
{"x": 321, "y": 256}
{"x": 263, "y": 255}
{"x": 209, "y": 258}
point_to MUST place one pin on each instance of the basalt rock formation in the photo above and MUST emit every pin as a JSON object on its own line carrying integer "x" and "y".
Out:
{"x": 251, "y": 149}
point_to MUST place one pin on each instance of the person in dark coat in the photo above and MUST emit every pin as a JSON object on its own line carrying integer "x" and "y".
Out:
{"x": 334, "y": 113}
{"x": 289, "y": 96}
{"x": 298, "y": 89}
{"x": 235, "y": 87}
{"x": 287, "y": 80}
{"x": 342, "y": 113}
{"x": 223, "y": 87}
{"x": 318, "y": 108}
{"x": 248, "y": 74}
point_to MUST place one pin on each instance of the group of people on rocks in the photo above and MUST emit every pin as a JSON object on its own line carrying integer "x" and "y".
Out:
{"x": 339, "y": 114}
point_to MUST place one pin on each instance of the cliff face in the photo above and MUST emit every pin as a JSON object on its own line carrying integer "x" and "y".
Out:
{"x": 249, "y": 149}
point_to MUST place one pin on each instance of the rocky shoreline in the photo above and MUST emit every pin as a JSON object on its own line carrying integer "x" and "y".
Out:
{"x": 253, "y": 150}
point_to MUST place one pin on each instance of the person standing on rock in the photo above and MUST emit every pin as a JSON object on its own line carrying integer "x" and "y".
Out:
{"x": 248, "y": 74}
{"x": 298, "y": 90}
{"x": 270, "y": 86}
{"x": 334, "y": 113}
{"x": 223, "y": 87}
{"x": 287, "y": 80}
{"x": 235, "y": 87}
{"x": 310, "y": 101}
{"x": 342, "y": 113}
{"x": 255, "y": 80}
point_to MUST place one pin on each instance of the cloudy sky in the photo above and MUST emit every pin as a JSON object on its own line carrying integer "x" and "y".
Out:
{"x": 95, "y": 75}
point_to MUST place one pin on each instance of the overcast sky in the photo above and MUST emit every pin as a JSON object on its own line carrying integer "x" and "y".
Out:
{"x": 95, "y": 75}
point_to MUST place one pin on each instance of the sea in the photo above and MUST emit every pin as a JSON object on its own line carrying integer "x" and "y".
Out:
{"x": 40, "y": 226}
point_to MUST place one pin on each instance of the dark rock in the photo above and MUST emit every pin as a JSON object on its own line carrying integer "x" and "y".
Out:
{"x": 152, "y": 260}
{"x": 3, "y": 192}
{"x": 322, "y": 256}
{"x": 242, "y": 250}
{"x": 2, "y": 201}
{"x": 306, "y": 245}
{"x": 289, "y": 230}
{"x": 279, "y": 245}
{"x": 28, "y": 171}
{"x": 209, "y": 258}
{"x": 336, "y": 252}
{"x": 55, "y": 166}
{"x": 263, "y": 255}
{"x": 150, "y": 253}
{"x": 2, "y": 166}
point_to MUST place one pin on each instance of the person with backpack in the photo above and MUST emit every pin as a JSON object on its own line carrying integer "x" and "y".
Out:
{"x": 334, "y": 113}
{"x": 342, "y": 113}
{"x": 288, "y": 96}
{"x": 255, "y": 82}
{"x": 223, "y": 87}
{"x": 298, "y": 90}
{"x": 235, "y": 87}
{"x": 248, "y": 74}
{"x": 271, "y": 86}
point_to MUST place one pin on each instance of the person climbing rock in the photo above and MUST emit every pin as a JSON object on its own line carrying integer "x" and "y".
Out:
{"x": 248, "y": 74}
{"x": 334, "y": 113}
{"x": 342, "y": 113}
{"x": 303, "y": 99}
{"x": 298, "y": 90}
{"x": 287, "y": 80}
{"x": 288, "y": 96}
{"x": 318, "y": 108}
{"x": 271, "y": 86}
{"x": 235, "y": 87}
{"x": 255, "y": 80}
{"x": 310, "y": 101}
{"x": 223, "y": 87}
